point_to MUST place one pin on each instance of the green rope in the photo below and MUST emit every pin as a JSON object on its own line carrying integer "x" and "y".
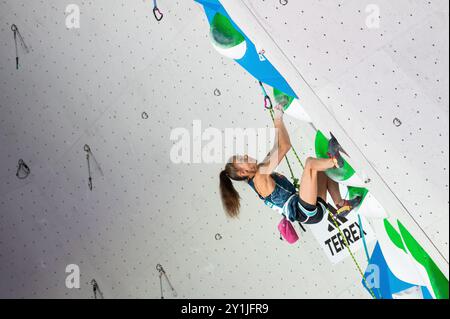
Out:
{"x": 298, "y": 158}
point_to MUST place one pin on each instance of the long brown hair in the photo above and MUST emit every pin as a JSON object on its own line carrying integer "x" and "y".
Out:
{"x": 230, "y": 197}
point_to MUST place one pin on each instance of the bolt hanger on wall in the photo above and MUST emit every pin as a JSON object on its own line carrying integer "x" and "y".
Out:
{"x": 162, "y": 273}
{"x": 24, "y": 46}
{"x": 262, "y": 55}
{"x": 397, "y": 122}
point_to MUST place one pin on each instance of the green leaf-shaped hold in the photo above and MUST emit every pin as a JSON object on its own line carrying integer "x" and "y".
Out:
{"x": 438, "y": 280}
{"x": 357, "y": 191}
{"x": 394, "y": 235}
{"x": 224, "y": 33}
{"x": 282, "y": 98}
{"x": 336, "y": 174}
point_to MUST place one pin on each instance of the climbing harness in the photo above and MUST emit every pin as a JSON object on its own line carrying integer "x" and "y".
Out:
{"x": 22, "y": 170}
{"x": 89, "y": 154}
{"x": 162, "y": 273}
{"x": 156, "y": 12}
{"x": 96, "y": 289}
{"x": 16, "y": 32}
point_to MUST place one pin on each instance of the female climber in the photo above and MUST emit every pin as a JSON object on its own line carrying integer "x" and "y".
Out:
{"x": 308, "y": 205}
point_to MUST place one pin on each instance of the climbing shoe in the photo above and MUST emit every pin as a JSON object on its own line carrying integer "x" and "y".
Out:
{"x": 335, "y": 150}
{"x": 348, "y": 206}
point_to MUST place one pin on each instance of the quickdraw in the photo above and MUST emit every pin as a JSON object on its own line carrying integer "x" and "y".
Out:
{"x": 17, "y": 34}
{"x": 162, "y": 273}
{"x": 267, "y": 100}
{"x": 87, "y": 149}
{"x": 96, "y": 289}
{"x": 89, "y": 154}
{"x": 22, "y": 170}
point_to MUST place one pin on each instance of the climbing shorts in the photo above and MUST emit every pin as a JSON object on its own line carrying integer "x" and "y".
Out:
{"x": 306, "y": 213}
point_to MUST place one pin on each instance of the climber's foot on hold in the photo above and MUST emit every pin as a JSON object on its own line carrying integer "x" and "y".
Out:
{"x": 347, "y": 206}
{"x": 334, "y": 152}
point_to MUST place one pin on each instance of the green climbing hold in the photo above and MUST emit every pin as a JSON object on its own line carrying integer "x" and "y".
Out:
{"x": 357, "y": 191}
{"x": 438, "y": 280}
{"x": 394, "y": 235}
{"x": 224, "y": 33}
{"x": 282, "y": 98}
{"x": 336, "y": 174}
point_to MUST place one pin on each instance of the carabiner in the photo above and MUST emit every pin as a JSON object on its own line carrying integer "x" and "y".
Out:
{"x": 267, "y": 100}
{"x": 156, "y": 12}
{"x": 268, "y": 103}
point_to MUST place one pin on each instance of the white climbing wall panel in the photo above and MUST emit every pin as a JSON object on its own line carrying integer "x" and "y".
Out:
{"x": 385, "y": 85}
{"x": 91, "y": 86}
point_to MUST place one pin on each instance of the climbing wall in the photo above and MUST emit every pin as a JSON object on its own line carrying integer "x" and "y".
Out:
{"x": 122, "y": 82}
{"x": 380, "y": 71}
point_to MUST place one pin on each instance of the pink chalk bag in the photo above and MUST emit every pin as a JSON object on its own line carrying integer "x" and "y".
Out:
{"x": 287, "y": 231}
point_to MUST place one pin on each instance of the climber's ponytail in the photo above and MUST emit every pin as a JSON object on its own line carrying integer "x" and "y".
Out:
{"x": 230, "y": 197}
